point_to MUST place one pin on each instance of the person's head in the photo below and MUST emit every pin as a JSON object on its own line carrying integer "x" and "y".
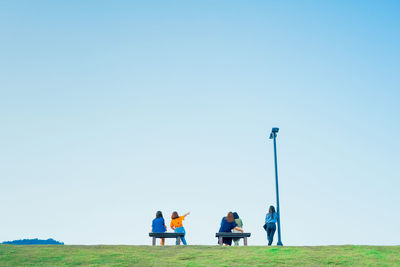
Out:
{"x": 235, "y": 215}
{"x": 159, "y": 214}
{"x": 174, "y": 215}
{"x": 271, "y": 211}
{"x": 230, "y": 217}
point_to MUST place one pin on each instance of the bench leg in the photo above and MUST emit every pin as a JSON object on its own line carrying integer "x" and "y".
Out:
{"x": 245, "y": 241}
{"x": 154, "y": 241}
{"x": 178, "y": 240}
{"x": 220, "y": 240}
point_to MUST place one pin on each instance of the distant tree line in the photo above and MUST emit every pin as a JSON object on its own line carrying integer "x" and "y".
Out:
{"x": 35, "y": 241}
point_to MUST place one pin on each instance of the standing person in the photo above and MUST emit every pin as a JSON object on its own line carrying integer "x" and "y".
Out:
{"x": 270, "y": 224}
{"x": 177, "y": 225}
{"x": 158, "y": 225}
{"x": 227, "y": 224}
{"x": 239, "y": 224}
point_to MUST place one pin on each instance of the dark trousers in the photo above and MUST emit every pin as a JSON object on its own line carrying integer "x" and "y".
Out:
{"x": 271, "y": 228}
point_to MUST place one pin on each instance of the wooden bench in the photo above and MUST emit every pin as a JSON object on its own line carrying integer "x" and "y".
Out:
{"x": 166, "y": 235}
{"x": 233, "y": 235}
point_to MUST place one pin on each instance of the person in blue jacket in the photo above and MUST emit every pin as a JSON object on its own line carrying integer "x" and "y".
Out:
{"x": 270, "y": 222}
{"x": 158, "y": 226}
{"x": 227, "y": 224}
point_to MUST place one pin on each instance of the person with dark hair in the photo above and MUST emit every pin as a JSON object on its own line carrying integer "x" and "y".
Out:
{"x": 270, "y": 224}
{"x": 227, "y": 224}
{"x": 177, "y": 225}
{"x": 239, "y": 224}
{"x": 158, "y": 226}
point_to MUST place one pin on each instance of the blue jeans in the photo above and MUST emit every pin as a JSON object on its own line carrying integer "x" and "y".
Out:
{"x": 271, "y": 228}
{"x": 181, "y": 230}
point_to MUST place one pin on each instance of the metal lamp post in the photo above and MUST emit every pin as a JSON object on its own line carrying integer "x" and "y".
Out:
{"x": 273, "y": 136}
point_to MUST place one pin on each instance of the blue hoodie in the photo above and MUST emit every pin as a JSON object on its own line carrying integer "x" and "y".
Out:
{"x": 158, "y": 225}
{"x": 268, "y": 218}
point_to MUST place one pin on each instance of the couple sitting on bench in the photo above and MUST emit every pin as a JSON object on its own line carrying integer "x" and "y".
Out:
{"x": 232, "y": 222}
{"x": 158, "y": 228}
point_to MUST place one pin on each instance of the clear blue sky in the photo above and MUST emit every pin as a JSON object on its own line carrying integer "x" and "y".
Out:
{"x": 112, "y": 110}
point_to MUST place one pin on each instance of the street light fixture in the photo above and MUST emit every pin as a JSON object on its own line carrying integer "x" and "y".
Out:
{"x": 274, "y": 131}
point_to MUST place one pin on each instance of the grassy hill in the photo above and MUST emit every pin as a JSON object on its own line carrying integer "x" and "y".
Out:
{"x": 11, "y": 255}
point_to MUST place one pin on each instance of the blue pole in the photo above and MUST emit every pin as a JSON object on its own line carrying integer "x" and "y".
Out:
{"x": 277, "y": 194}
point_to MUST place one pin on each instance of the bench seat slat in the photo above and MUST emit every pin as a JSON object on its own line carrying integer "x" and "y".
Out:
{"x": 237, "y": 235}
{"x": 166, "y": 235}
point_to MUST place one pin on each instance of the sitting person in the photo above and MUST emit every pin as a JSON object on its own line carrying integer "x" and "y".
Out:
{"x": 239, "y": 224}
{"x": 158, "y": 226}
{"x": 177, "y": 225}
{"x": 227, "y": 224}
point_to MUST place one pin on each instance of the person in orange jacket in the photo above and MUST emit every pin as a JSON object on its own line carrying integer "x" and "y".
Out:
{"x": 177, "y": 225}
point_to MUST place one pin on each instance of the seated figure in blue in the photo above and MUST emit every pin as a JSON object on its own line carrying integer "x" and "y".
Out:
{"x": 227, "y": 224}
{"x": 158, "y": 226}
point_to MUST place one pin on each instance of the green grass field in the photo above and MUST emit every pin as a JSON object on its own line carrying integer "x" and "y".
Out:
{"x": 11, "y": 255}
